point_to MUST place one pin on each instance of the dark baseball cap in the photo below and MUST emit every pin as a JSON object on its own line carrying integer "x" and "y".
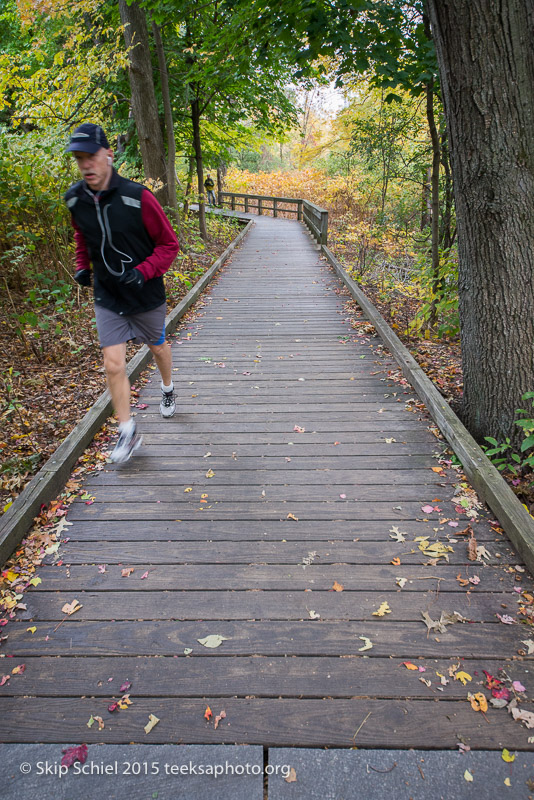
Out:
{"x": 88, "y": 138}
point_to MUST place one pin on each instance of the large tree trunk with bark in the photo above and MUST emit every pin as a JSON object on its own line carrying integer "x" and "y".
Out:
{"x": 144, "y": 104}
{"x": 169, "y": 122}
{"x": 486, "y": 59}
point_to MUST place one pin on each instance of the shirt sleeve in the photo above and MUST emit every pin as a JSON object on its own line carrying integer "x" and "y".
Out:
{"x": 160, "y": 231}
{"x": 82, "y": 254}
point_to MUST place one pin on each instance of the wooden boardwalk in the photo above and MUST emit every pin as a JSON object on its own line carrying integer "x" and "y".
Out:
{"x": 289, "y": 471}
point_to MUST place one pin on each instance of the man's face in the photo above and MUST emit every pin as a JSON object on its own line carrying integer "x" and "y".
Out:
{"x": 95, "y": 168}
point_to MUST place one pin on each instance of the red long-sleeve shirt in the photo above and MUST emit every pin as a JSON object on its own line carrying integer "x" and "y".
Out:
{"x": 158, "y": 228}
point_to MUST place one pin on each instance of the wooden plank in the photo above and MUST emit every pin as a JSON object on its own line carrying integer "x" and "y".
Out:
{"x": 267, "y": 530}
{"x": 258, "y": 552}
{"x": 261, "y": 676}
{"x": 291, "y": 576}
{"x": 293, "y": 723}
{"x": 477, "y": 606}
{"x": 270, "y": 638}
{"x": 237, "y": 494}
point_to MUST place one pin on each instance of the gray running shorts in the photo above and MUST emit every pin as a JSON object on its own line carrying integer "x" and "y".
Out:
{"x": 145, "y": 328}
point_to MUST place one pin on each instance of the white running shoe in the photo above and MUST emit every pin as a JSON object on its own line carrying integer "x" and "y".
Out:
{"x": 126, "y": 446}
{"x": 167, "y": 407}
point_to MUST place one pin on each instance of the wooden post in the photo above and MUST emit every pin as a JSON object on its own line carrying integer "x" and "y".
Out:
{"x": 233, "y": 202}
{"x": 299, "y": 210}
{"x": 324, "y": 227}
{"x": 246, "y": 204}
{"x": 275, "y": 207}
{"x": 260, "y": 206}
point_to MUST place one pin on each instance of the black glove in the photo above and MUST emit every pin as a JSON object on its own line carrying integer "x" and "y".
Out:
{"x": 133, "y": 278}
{"x": 83, "y": 277}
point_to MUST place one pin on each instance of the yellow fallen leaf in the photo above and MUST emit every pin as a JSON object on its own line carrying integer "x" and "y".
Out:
{"x": 409, "y": 665}
{"x": 152, "y": 721}
{"x": 337, "y": 587}
{"x": 124, "y": 702}
{"x": 210, "y": 473}
{"x": 293, "y": 517}
{"x": 468, "y": 777}
{"x": 11, "y": 576}
{"x": 478, "y": 701}
{"x": 507, "y": 756}
{"x": 71, "y": 608}
{"x": 463, "y": 677}
{"x": 189, "y": 489}
{"x": 367, "y": 644}
{"x": 32, "y": 629}
{"x": 507, "y": 782}
{"x": 384, "y": 609}
{"x": 35, "y": 581}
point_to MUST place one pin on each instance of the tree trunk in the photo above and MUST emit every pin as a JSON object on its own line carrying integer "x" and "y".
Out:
{"x": 426, "y": 200}
{"x": 197, "y": 145}
{"x": 221, "y": 175}
{"x": 169, "y": 123}
{"x": 189, "y": 184}
{"x": 144, "y": 104}
{"x": 486, "y": 57}
{"x": 446, "y": 236}
{"x": 434, "y": 183}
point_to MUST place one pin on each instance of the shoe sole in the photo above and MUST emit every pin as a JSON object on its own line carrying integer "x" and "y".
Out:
{"x": 167, "y": 416}
{"x": 136, "y": 446}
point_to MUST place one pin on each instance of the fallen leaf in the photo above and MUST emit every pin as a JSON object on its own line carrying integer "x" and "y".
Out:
{"x": 427, "y": 509}
{"x": 187, "y": 651}
{"x": 127, "y": 572}
{"x": 518, "y": 686}
{"x": 337, "y": 587}
{"x": 314, "y": 615}
{"x": 292, "y": 777}
{"x": 397, "y": 535}
{"x": 144, "y": 575}
{"x": 463, "y": 677}
{"x": 152, "y": 722}
{"x": 210, "y": 473}
{"x": 293, "y": 517}
{"x": 35, "y": 581}
{"x": 507, "y": 782}
{"x": 507, "y": 756}
{"x": 124, "y": 702}
{"x": 32, "y": 629}
{"x": 462, "y": 581}
{"x": 208, "y": 713}
{"x": 71, "y": 608}
{"x": 218, "y": 718}
{"x": 91, "y": 721}
{"x": 468, "y": 777}
{"x": 401, "y": 582}
{"x": 298, "y": 429}
{"x": 524, "y": 716}
{"x": 384, "y": 609}
{"x": 529, "y": 644}
{"x": 4, "y": 679}
{"x": 18, "y": 670}
{"x": 478, "y": 701}
{"x": 213, "y": 640}
{"x": 472, "y": 548}
{"x": 367, "y": 644}
{"x": 125, "y": 687}
{"x": 189, "y": 489}
{"x": 506, "y": 619}
{"x": 72, "y": 754}
{"x": 409, "y": 665}
{"x": 396, "y": 562}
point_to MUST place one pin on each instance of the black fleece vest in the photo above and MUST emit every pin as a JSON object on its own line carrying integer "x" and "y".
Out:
{"x": 112, "y": 226}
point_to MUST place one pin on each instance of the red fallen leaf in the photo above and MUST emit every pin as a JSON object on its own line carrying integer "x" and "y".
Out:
{"x": 125, "y": 686}
{"x": 208, "y": 713}
{"x": 501, "y": 694}
{"x": 491, "y": 681}
{"x": 142, "y": 405}
{"x": 72, "y": 754}
{"x": 18, "y": 670}
{"x": 113, "y": 707}
{"x": 4, "y": 679}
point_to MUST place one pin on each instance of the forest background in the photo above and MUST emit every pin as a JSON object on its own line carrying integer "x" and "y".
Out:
{"x": 246, "y": 93}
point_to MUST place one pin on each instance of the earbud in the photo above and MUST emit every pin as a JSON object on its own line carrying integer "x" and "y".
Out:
{"x": 110, "y": 160}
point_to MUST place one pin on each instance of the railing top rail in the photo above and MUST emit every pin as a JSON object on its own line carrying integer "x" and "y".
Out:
{"x": 263, "y": 197}
{"x": 315, "y": 207}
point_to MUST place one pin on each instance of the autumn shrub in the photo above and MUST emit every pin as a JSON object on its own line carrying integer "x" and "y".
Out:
{"x": 34, "y": 222}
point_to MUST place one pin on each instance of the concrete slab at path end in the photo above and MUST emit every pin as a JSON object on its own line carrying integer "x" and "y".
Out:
{"x": 133, "y": 772}
{"x": 403, "y": 775}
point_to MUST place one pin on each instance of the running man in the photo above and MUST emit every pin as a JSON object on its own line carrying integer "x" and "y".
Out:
{"x": 121, "y": 231}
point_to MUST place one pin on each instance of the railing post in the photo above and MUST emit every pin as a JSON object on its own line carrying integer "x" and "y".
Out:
{"x": 275, "y": 207}
{"x": 299, "y": 210}
{"x": 246, "y": 204}
{"x": 233, "y": 202}
{"x": 324, "y": 227}
{"x": 260, "y": 207}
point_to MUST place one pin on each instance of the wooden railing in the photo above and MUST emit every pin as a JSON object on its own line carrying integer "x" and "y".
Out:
{"x": 315, "y": 218}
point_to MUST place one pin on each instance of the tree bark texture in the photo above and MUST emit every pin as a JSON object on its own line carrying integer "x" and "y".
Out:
{"x": 197, "y": 145}
{"x": 485, "y": 52}
{"x": 169, "y": 123}
{"x": 144, "y": 104}
{"x": 434, "y": 182}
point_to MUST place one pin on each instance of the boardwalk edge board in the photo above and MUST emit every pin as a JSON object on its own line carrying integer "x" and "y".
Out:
{"x": 485, "y": 478}
{"x": 51, "y": 478}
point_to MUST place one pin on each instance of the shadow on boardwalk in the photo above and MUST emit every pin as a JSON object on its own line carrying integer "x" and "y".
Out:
{"x": 280, "y": 510}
